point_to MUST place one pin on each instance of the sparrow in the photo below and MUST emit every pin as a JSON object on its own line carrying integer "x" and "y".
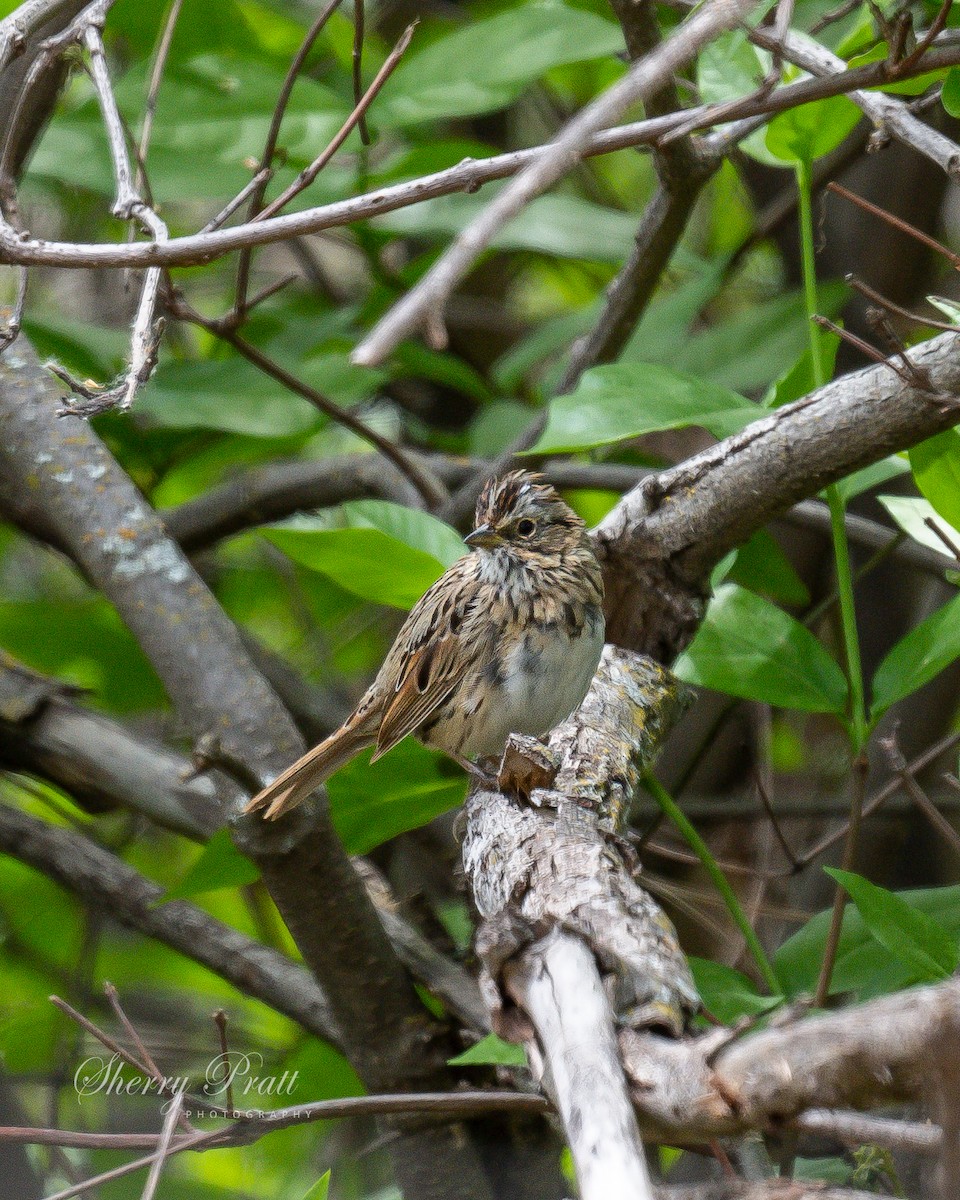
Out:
{"x": 506, "y": 641}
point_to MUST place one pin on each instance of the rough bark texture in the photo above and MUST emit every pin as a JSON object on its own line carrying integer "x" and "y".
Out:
{"x": 660, "y": 543}
{"x": 553, "y": 886}
{"x": 549, "y": 862}
{"x": 882, "y": 1052}
{"x": 57, "y": 475}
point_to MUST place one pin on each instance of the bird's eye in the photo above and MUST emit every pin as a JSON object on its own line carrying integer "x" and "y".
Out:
{"x": 526, "y": 527}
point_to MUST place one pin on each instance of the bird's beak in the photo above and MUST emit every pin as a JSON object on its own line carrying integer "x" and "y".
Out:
{"x": 484, "y": 535}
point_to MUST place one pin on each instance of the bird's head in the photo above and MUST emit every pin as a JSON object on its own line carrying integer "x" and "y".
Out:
{"x": 520, "y": 511}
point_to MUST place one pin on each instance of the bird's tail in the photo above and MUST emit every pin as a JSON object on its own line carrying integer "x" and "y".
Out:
{"x": 296, "y": 783}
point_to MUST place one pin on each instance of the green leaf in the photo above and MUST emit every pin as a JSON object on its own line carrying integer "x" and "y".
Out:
{"x": 950, "y": 96}
{"x": 366, "y": 562}
{"x": 627, "y": 400}
{"x": 762, "y": 566}
{"x": 416, "y": 529}
{"x": 220, "y": 865}
{"x": 728, "y": 994}
{"x": 728, "y": 68}
{"x": 936, "y": 470}
{"x": 746, "y": 351}
{"x": 917, "y": 658}
{"x": 556, "y": 225}
{"x": 491, "y": 1051}
{"x": 913, "y": 938}
{"x": 862, "y": 964}
{"x": 912, "y": 513}
{"x": 748, "y": 647}
{"x": 902, "y": 87}
{"x": 806, "y": 133}
{"x": 486, "y": 64}
{"x": 949, "y": 308}
{"x": 872, "y": 476}
{"x": 407, "y": 788}
{"x": 320, "y": 1189}
{"x": 228, "y": 395}
{"x": 799, "y": 380}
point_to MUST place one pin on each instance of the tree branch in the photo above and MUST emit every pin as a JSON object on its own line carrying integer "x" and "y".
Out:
{"x": 58, "y": 472}
{"x": 423, "y": 306}
{"x": 103, "y": 881}
{"x": 660, "y": 543}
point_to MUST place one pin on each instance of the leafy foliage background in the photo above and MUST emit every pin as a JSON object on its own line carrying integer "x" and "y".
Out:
{"x": 724, "y": 339}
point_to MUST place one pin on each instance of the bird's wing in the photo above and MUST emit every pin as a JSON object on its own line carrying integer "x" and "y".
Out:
{"x": 428, "y": 663}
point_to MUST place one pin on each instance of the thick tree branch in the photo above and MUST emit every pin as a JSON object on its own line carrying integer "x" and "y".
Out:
{"x": 554, "y": 889}
{"x": 60, "y": 469}
{"x": 104, "y": 882}
{"x": 660, "y": 543}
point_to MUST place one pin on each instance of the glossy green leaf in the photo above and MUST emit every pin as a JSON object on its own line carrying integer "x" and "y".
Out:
{"x": 485, "y": 64}
{"x": 415, "y": 528}
{"x": 936, "y": 470}
{"x": 862, "y": 965}
{"x": 919, "y": 656}
{"x": 320, "y": 1190}
{"x": 806, "y": 133}
{"x": 915, "y": 515}
{"x": 220, "y": 865}
{"x": 950, "y": 96}
{"x": 727, "y": 994}
{"x": 748, "y": 647}
{"x": 628, "y": 400}
{"x": 915, "y": 939}
{"x": 373, "y": 802}
{"x": 762, "y": 566}
{"x": 365, "y": 561}
{"x": 491, "y": 1051}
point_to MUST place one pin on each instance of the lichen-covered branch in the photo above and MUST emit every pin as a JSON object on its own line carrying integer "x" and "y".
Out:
{"x": 56, "y": 473}
{"x": 549, "y": 864}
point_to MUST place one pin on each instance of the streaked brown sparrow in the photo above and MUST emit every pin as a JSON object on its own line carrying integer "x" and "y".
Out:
{"x": 506, "y": 641}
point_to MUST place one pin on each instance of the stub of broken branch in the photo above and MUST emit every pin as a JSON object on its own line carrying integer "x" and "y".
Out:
{"x": 550, "y": 857}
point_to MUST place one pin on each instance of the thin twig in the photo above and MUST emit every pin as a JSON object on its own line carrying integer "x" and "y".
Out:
{"x": 193, "y": 1143}
{"x": 262, "y": 177}
{"x": 11, "y": 327}
{"x": 259, "y": 183}
{"x": 201, "y": 248}
{"x": 359, "y": 27}
{"x": 896, "y": 222}
{"x": 102, "y": 1037}
{"x": 422, "y": 307}
{"x": 851, "y": 846}
{"x": 163, "y": 1147}
{"x": 309, "y": 174}
{"x": 128, "y": 205}
{"x": 153, "y": 88}
{"x": 876, "y": 297}
{"x": 428, "y": 488}
{"x": 220, "y": 1020}
{"x": 916, "y": 793}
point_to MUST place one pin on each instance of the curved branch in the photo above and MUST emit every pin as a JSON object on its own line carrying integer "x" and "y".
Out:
{"x": 660, "y": 543}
